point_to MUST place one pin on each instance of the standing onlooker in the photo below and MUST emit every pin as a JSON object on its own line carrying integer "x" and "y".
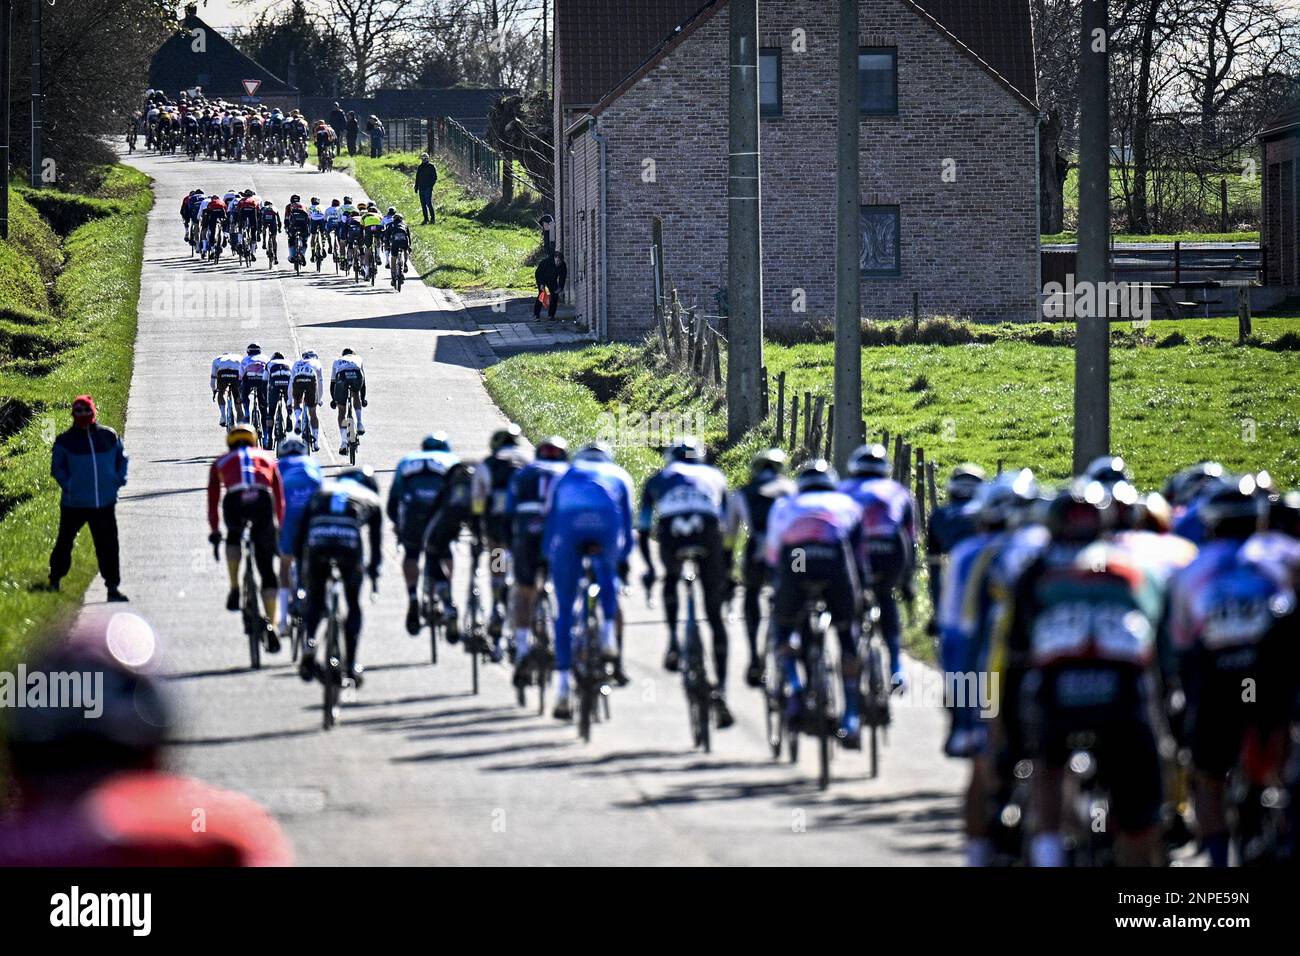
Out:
{"x": 375, "y": 130}
{"x": 90, "y": 466}
{"x": 426, "y": 177}
{"x": 551, "y": 274}
{"x": 354, "y": 130}
{"x": 338, "y": 119}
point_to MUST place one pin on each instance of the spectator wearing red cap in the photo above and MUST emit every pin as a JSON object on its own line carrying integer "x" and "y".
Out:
{"x": 89, "y": 464}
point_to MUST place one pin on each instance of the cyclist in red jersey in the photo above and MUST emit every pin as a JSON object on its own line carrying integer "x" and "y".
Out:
{"x": 254, "y": 498}
{"x": 87, "y": 768}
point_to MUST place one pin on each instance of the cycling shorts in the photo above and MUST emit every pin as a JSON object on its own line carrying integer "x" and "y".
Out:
{"x": 699, "y": 532}
{"x": 304, "y": 391}
{"x": 1217, "y": 717}
{"x": 808, "y": 572}
{"x": 526, "y": 556}
{"x": 340, "y": 388}
{"x": 227, "y": 378}
{"x": 252, "y": 507}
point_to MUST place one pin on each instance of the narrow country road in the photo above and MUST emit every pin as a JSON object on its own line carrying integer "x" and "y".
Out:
{"x": 420, "y": 771}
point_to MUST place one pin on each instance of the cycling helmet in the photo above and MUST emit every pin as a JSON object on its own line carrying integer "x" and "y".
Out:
{"x": 768, "y": 462}
{"x": 397, "y": 217}
{"x": 241, "y": 435}
{"x": 347, "y": 200}
{"x": 1127, "y": 503}
{"x": 869, "y": 461}
{"x": 276, "y": 355}
{"x": 594, "y": 451}
{"x": 246, "y": 193}
{"x": 117, "y": 653}
{"x": 686, "y": 448}
{"x": 362, "y": 475}
{"x": 816, "y": 475}
{"x": 1107, "y": 469}
{"x": 346, "y": 352}
{"x": 254, "y": 348}
{"x": 1081, "y": 513}
{"x": 315, "y": 201}
{"x": 505, "y": 436}
{"x": 1233, "y": 509}
{"x": 964, "y": 482}
{"x": 1005, "y": 499}
{"x": 437, "y": 441}
{"x": 1284, "y": 513}
{"x": 554, "y": 448}
{"x": 1180, "y": 489}
{"x": 1152, "y": 513}
{"x": 309, "y": 354}
{"x": 295, "y": 198}
{"x": 267, "y": 204}
{"x": 290, "y": 446}
{"x": 392, "y": 210}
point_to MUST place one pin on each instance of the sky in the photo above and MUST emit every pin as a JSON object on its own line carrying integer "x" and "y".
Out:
{"x": 224, "y": 14}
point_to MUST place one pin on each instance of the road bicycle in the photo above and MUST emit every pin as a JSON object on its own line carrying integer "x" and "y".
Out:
{"x": 349, "y": 428}
{"x": 334, "y": 674}
{"x": 281, "y": 416}
{"x": 317, "y": 249}
{"x": 874, "y": 687}
{"x": 695, "y": 677}
{"x": 272, "y": 250}
{"x": 397, "y": 268}
{"x": 809, "y": 709}
{"x": 192, "y": 236}
{"x": 308, "y": 430}
{"x": 218, "y": 241}
{"x": 192, "y": 146}
{"x": 476, "y": 642}
{"x": 591, "y": 675}
{"x": 541, "y": 656}
{"x": 228, "y": 414}
{"x": 325, "y": 158}
{"x": 250, "y": 605}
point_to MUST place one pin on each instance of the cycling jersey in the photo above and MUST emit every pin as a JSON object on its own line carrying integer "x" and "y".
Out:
{"x": 1224, "y": 600}
{"x": 279, "y": 373}
{"x": 887, "y": 507}
{"x": 399, "y": 237}
{"x": 492, "y": 481}
{"x": 227, "y": 368}
{"x": 347, "y": 374}
{"x": 244, "y": 469}
{"x": 684, "y": 488}
{"x": 301, "y": 477}
{"x": 270, "y": 220}
{"x": 335, "y": 518}
{"x": 529, "y": 493}
{"x": 419, "y": 486}
{"x": 316, "y": 213}
{"x": 254, "y": 366}
{"x": 813, "y": 520}
{"x": 305, "y": 370}
{"x": 296, "y": 218}
{"x": 332, "y": 214}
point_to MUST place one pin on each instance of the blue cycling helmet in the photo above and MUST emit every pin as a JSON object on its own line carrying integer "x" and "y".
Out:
{"x": 437, "y": 441}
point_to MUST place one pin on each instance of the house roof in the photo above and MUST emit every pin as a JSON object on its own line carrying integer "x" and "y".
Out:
{"x": 603, "y": 46}
{"x": 220, "y": 68}
{"x": 1283, "y": 124}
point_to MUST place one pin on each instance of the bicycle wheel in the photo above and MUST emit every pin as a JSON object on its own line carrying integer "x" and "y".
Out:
{"x": 252, "y": 614}
{"x": 819, "y": 678}
{"x": 333, "y": 665}
{"x": 875, "y": 704}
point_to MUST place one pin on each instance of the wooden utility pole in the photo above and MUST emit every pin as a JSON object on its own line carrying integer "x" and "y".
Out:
{"x": 6, "y": 25}
{"x": 1092, "y": 341}
{"x": 36, "y": 93}
{"x": 848, "y": 245}
{"x": 744, "y": 235}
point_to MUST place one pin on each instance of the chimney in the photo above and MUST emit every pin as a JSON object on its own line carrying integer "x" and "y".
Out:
{"x": 191, "y": 9}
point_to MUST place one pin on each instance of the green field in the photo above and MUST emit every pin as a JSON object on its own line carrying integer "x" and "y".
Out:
{"x": 475, "y": 245}
{"x": 67, "y": 326}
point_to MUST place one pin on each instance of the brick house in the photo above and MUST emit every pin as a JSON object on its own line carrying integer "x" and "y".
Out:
{"x": 1280, "y": 229}
{"x": 949, "y": 140}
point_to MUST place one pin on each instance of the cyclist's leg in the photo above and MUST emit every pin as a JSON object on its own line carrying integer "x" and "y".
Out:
{"x": 526, "y": 554}
{"x": 314, "y": 578}
{"x": 356, "y": 408}
{"x": 672, "y": 575}
{"x": 233, "y": 512}
{"x": 566, "y": 568}
{"x": 843, "y": 601}
{"x": 352, "y": 579}
{"x": 787, "y": 602}
{"x": 886, "y": 567}
{"x": 713, "y": 581}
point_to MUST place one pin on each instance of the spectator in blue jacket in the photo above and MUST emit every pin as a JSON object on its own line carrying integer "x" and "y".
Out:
{"x": 89, "y": 464}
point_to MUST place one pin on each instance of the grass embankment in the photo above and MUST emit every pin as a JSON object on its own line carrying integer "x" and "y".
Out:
{"x": 67, "y": 326}
{"x": 1181, "y": 392}
{"x": 476, "y": 245}
{"x": 1065, "y": 238}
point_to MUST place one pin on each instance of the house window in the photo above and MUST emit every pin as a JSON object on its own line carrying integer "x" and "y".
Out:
{"x": 880, "y": 255}
{"x": 878, "y": 80}
{"x": 769, "y": 81}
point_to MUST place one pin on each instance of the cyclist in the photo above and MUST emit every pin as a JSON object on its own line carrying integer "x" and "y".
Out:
{"x": 1182, "y": 491}
{"x": 332, "y": 530}
{"x": 1225, "y": 610}
{"x": 353, "y": 235}
{"x": 526, "y": 510}
{"x": 491, "y": 490}
{"x": 188, "y": 207}
{"x": 333, "y": 217}
{"x": 308, "y": 392}
{"x": 453, "y": 510}
{"x": 89, "y": 783}
{"x": 1080, "y": 635}
{"x": 397, "y": 239}
{"x": 301, "y": 476}
{"x": 318, "y": 224}
{"x": 270, "y": 223}
{"x": 297, "y": 223}
{"x": 253, "y": 383}
{"x": 419, "y": 486}
{"x": 227, "y": 374}
{"x": 688, "y": 505}
{"x": 246, "y": 215}
{"x": 371, "y": 227}
{"x": 348, "y": 377}
{"x": 889, "y": 530}
{"x": 590, "y": 514}
{"x": 768, "y": 484}
{"x": 279, "y": 377}
{"x": 213, "y": 219}
{"x": 950, "y": 524}
{"x": 814, "y": 547}
{"x": 254, "y": 498}
{"x": 324, "y": 138}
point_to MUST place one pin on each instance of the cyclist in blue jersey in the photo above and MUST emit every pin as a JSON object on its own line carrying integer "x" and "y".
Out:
{"x": 948, "y": 526}
{"x": 301, "y": 476}
{"x": 419, "y": 486}
{"x": 688, "y": 505}
{"x": 889, "y": 533}
{"x": 590, "y": 514}
{"x": 525, "y": 508}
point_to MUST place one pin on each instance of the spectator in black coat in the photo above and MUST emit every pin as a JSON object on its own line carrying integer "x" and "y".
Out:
{"x": 338, "y": 119}
{"x": 551, "y": 275}
{"x": 426, "y": 177}
{"x": 354, "y": 130}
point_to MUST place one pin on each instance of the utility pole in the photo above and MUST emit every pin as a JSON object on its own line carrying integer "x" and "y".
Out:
{"x": 545, "y": 50}
{"x": 744, "y": 234}
{"x": 1092, "y": 339}
{"x": 36, "y": 93}
{"x": 6, "y": 24}
{"x": 848, "y": 248}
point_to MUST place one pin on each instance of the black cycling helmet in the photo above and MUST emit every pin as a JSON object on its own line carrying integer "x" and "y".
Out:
{"x": 869, "y": 461}
{"x": 295, "y": 198}
{"x": 554, "y": 448}
{"x": 595, "y": 451}
{"x": 816, "y": 475}
{"x": 346, "y": 352}
{"x": 1107, "y": 469}
{"x": 768, "y": 462}
{"x": 277, "y": 355}
{"x": 1080, "y": 513}
{"x": 686, "y": 448}
{"x": 964, "y": 482}
{"x": 1004, "y": 500}
{"x": 315, "y": 201}
{"x": 1234, "y": 509}
{"x": 348, "y": 200}
{"x": 254, "y": 348}
{"x": 362, "y": 475}
{"x": 266, "y": 203}
{"x": 1181, "y": 488}
{"x": 1284, "y": 513}
{"x": 437, "y": 441}
{"x": 505, "y": 436}
{"x": 392, "y": 210}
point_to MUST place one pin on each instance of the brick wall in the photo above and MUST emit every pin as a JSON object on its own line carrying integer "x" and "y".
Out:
{"x": 969, "y": 248}
{"x": 1282, "y": 211}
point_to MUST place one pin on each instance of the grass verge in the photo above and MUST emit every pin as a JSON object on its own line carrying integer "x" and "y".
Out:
{"x": 81, "y": 341}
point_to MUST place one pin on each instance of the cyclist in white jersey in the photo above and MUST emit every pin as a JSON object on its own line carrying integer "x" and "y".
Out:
{"x": 348, "y": 376}
{"x": 308, "y": 393}
{"x": 253, "y": 378}
{"x": 227, "y": 372}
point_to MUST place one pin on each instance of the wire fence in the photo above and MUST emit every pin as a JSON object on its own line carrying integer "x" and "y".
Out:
{"x": 475, "y": 158}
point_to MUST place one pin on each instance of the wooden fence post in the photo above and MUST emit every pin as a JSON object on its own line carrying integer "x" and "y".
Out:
{"x": 830, "y": 430}
{"x": 715, "y": 356}
{"x": 794, "y": 423}
{"x": 780, "y": 407}
{"x": 920, "y": 489}
{"x": 929, "y": 481}
{"x": 884, "y": 439}
{"x": 807, "y": 419}
{"x": 898, "y": 457}
{"x": 815, "y": 439}
{"x": 676, "y": 328}
{"x": 1243, "y": 313}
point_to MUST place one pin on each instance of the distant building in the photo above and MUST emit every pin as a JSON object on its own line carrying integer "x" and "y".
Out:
{"x": 1280, "y": 230}
{"x": 199, "y": 56}
{"x": 949, "y": 156}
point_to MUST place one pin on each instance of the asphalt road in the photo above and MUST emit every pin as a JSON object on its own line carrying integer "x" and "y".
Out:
{"x": 420, "y": 771}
